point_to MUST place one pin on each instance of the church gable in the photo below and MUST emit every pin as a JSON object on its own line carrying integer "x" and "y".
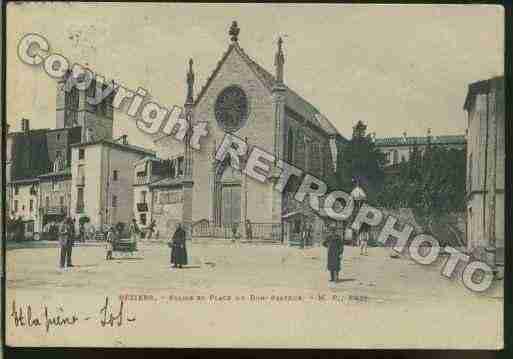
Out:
{"x": 237, "y": 78}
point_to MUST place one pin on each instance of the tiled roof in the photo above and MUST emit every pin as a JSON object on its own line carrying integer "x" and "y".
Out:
{"x": 480, "y": 87}
{"x": 30, "y": 155}
{"x": 408, "y": 141}
{"x": 116, "y": 144}
{"x": 292, "y": 100}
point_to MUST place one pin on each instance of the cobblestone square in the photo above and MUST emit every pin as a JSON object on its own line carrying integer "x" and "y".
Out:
{"x": 378, "y": 299}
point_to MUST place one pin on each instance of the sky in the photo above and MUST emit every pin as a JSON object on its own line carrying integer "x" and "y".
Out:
{"x": 398, "y": 68}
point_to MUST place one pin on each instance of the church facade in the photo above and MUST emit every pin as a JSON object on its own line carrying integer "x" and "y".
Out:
{"x": 241, "y": 98}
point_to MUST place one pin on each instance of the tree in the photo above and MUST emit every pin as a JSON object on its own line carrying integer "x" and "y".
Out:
{"x": 83, "y": 220}
{"x": 361, "y": 161}
{"x": 431, "y": 183}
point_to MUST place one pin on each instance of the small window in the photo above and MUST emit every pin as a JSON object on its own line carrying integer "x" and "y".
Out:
{"x": 114, "y": 201}
{"x": 16, "y": 205}
{"x": 395, "y": 157}
{"x": 55, "y": 186}
{"x": 80, "y": 200}
{"x": 142, "y": 218}
{"x": 31, "y": 205}
{"x": 58, "y": 154}
{"x": 143, "y": 196}
{"x": 16, "y": 190}
{"x": 58, "y": 137}
{"x": 47, "y": 201}
{"x": 115, "y": 175}
{"x": 29, "y": 227}
{"x": 180, "y": 166}
{"x": 61, "y": 201}
{"x": 173, "y": 169}
{"x": 81, "y": 153}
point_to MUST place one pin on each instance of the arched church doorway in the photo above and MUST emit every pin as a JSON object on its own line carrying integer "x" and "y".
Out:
{"x": 228, "y": 194}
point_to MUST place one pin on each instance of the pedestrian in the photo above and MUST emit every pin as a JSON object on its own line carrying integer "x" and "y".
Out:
{"x": 249, "y": 230}
{"x": 302, "y": 235}
{"x": 64, "y": 233}
{"x": 363, "y": 238}
{"x": 235, "y": 228}
{"x": 71, "y": 241}
{"x": 81, "y": 232}
{"x": 178, "y": 248}
{"x": 309, "y": 230}
{"x": 109, "y": 245}
{"x": 151, "y": 229}
{"x": 133, "y": 230}
{"x": 335, "y": 251}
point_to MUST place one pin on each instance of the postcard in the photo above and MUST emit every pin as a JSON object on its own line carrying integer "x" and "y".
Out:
{"x": 254, "y": 175}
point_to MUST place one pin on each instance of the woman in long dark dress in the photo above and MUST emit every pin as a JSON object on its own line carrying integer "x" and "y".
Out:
{"x": 335, "y": 250}
{"x": 178, "y": 248}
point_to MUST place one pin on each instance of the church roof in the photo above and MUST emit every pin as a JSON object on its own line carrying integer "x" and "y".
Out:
{"x": 292, "y": 100}
{"x": 408, "y": 141}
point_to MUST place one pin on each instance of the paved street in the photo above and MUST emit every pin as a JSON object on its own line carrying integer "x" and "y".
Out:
{"x": 385, "y": 294}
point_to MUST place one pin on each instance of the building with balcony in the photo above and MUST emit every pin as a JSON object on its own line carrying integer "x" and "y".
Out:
{"x": 38, "y": 161}
{"x": 102, "y": 178}
{"x": 32, "y": 159}
{"x": 55, "y": 196}
{"x": 148, "y": 171}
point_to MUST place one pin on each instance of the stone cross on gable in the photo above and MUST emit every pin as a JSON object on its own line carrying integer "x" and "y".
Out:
{"x": 234, "y": 31}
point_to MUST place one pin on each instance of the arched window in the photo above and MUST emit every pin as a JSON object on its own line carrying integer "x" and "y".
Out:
{"x": 470, "y": 174}
{"x": 290, "y": 147}
{"x": 300, "y": 150}
{"x": 315, "y": 159}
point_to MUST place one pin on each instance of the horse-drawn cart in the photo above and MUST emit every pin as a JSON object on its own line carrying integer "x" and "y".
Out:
{"x": 125, "y": 246}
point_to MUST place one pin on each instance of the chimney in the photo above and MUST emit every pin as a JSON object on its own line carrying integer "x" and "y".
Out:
{"x": 25, "y": 125}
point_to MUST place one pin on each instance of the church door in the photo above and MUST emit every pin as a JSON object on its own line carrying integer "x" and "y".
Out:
{"x": 231, "y": 204}
{"x": 230, "y": 196}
